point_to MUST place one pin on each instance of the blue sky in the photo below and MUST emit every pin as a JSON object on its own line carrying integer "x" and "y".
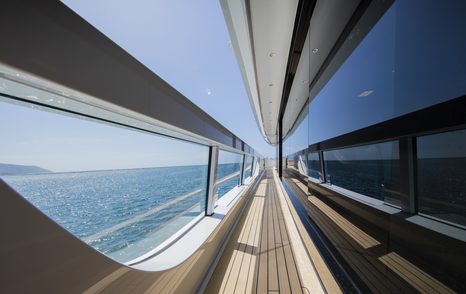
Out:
{"x": 64, "y": 143}
{"x": 404, "y": 64}
{"x": 398, "y": 66}
{"x": 184, "y": 42}
{"x": 187, "y": 44}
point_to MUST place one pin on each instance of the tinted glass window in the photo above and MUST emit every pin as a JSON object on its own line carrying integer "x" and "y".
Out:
{"x": 371, "y": 170}
{"x": 442, "y": 176}
{"x": 295, "y": 146}
{"x": 411, "y": 59}
{"x": 297, "y": 140}
{"x": 313, "y": 164}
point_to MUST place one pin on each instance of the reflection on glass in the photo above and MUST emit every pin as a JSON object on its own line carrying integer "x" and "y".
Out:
{"x": 313, "y": 164}
{"x": 300, "y": 162}
{"x": 228, "y": 172}
{"x": 290, "y": 161}
{"x": 371, "y": 170}
{"x": 297, "y": 140}
{"x": 121, "y": 191}
{"x": 442, "y": 176}
{"x": 295, "y": 145}
{"x": 396, "y": 69}
{"x": 248, "y": 166}
{"x": 256, "y": 165}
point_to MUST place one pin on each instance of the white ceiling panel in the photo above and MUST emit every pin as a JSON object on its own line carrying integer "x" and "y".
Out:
{"x": 261, "y": 32}
{"x": 299, "y": 92}
{"x": 272, "y": 24}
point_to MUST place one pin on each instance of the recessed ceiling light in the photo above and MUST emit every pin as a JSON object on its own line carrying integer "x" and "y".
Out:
{"x": 270, "y": 85}
{"x": 366, "y": 93}
{"x": 315, "y": 50}
{"x": 272, "y": 54}
{"x": 305, "y": 82}
{"x": 270, "y": 101}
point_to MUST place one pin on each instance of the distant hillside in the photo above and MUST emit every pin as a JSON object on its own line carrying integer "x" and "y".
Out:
{"x": 15, "y": 169}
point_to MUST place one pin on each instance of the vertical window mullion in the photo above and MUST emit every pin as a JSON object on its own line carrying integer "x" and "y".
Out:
{"x": 242, "y": 170}
{"x": 212, "y": 173}
{"x": 322, "y": 167}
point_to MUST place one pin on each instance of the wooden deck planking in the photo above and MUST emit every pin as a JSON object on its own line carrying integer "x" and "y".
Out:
{"x": 259, "y": 257}
{"x": 284, "y": 287}
{"x": 262, "y": 275}
{"x": 244, "y": 272}
{"x": 293, "y": 275}
{"x": 223, "y": 269}
{"x": 261, "y": 281}
{"x": 290, "y": 264}
{"x": 231, "y": 281}
{"x": 272, "y": 266}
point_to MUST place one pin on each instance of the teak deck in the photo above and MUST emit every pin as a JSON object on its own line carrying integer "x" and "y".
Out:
{"x": 258, "y": 257}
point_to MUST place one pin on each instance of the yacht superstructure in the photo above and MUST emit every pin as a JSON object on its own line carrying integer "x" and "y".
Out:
{"x": 364, "y": 101}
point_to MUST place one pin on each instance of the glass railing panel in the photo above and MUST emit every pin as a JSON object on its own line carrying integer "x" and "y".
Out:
{"x": 248, "y": 166}
{"x": 313, "y": 164}
{"x": 121, "y": 191}
{"x": 372, "y": 170}
{"x": 228, "y": 172}
{"x": 441, "y": 175}
{"x": 251, "y": 166}
{"x": 256, "y": 165}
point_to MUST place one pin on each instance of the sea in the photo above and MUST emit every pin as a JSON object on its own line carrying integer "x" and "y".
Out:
{"x": 440, "y": 183}
{"x": 122, "y": 213}
{"x": 379, "y": 179}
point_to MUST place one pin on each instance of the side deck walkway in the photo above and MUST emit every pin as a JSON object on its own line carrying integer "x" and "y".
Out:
{"x": 259, "y": 257}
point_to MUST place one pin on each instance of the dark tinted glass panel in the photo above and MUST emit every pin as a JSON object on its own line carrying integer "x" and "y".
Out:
{"x": 295, "y": 146}
{"x": 411, "y": 59}
{"x": 371, "y": 170}
{"x": 228, "y": 172}
{"x": 313, "y": 165}
{"x": 297, "y": 140}
{"x": 441, "y": 168}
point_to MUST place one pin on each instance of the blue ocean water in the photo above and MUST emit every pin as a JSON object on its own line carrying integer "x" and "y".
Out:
{"x": 122, "y": 213}
{"x": 223, "y": 171}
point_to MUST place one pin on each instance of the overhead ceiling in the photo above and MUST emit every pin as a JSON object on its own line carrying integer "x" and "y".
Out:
{"x": 261, "y": 33}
